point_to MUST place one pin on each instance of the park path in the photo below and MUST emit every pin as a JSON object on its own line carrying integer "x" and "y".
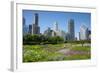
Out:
{"x": 64, "y": 51}
{"x": 72, "y": 52}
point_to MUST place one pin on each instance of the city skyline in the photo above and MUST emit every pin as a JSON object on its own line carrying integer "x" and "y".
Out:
{"x": 47, "y": 19}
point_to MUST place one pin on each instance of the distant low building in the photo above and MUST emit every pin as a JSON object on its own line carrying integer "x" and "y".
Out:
{"x": 49, "y": 32}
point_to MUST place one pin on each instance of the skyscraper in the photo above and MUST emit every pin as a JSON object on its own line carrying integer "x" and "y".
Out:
{"x": 79, "y": 36}
{"x": 35, "y": 27}
{"x": 71, "y": 29}
{"x": 25, "y": 27}
{"x": 83, "y": 32}
{"x": 56, "y": 29}
{"x": 36, "y": 19}
{"x": 30, "y": 29}
{"x": 56, "y": 26}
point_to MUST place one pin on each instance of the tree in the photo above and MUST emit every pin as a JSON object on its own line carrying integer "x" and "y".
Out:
{"x": 56, "y": 40}
{"x": 41, "y": 39}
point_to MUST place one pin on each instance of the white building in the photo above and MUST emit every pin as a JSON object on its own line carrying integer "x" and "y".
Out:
{"x": 55, "y": 26}
{"x": 59, "y": 32}
{"x": 49, "y": 32}
{"x": 83, "y": 32}
{"x": 56, "y": 29}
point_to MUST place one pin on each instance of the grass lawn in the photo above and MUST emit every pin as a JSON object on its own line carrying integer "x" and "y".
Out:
{"x": 49, "y": 52}
{"x": 80, "y": 48}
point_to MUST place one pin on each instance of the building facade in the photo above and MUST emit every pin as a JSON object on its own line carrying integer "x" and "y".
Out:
{"x": 25, "y": 27}
{"x": 35, "y": 27}
{"x": 55, "y": 27}
{"x": 83, "y": 33}
{"x": 63, "y": 35}
{"x": 30, "y": 29}
{"x": 49, "y": 32}
{"x": 71, "y": 29}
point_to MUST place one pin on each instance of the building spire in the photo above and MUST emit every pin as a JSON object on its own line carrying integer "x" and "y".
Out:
{"x": 36, "y": 19}
{"x": 56, "y": 26}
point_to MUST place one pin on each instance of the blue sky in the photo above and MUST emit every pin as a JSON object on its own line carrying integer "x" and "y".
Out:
{"x": 47, "y": 19}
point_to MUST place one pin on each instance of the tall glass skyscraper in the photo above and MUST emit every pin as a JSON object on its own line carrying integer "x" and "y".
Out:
{"x": 71, "y": 29}
{"x": 35, "y": 27}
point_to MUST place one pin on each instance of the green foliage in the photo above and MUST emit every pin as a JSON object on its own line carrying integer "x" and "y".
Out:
{"x": 48, "y": 52}
{"x": 77, "y": 57}
{"x": 81, "y": 48}
{"x": 41, "y": 39}
{"x": 78, "y": 42}
{"x": 31, "y": 39}
{"x": 38, "y": 53}
{"x": 82, "y": 42}
{"x": 55, "y": 40}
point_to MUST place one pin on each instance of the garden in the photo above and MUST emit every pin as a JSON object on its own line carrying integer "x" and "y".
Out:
{"x": 55, "y": 52}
